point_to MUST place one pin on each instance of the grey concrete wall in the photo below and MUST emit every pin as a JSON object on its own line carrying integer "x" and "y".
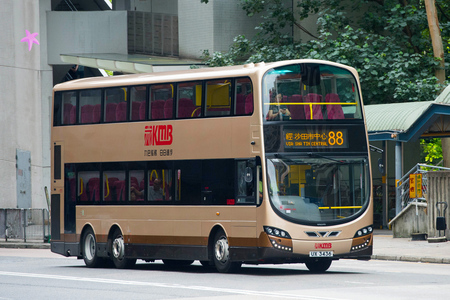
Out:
{"x": 409, "y": 221}
{"x": 154, "y": 6}
{"x": 438, "y": 191}
{"x": 86, "y": 32}
{"x": 25, "y": 82}
{"x": 211, "y": 26}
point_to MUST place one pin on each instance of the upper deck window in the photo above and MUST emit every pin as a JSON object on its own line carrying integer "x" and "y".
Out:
{"x": 90, "y": 106}
{"x": 310, "y": 92}
{"x": 162, "y": 101}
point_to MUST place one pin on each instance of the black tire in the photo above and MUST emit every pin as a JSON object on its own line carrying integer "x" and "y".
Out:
{"x": 221, "y": 254}
{"x": 174, "y": 263}
{"x": 89, "y": 250}
{"x": 118, "y": 252}
{"x": 318, "y": 265}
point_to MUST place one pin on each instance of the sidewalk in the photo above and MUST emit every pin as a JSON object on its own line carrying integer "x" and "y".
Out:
{"x": 385, "y": 248}
{"x": 404, "y": 249}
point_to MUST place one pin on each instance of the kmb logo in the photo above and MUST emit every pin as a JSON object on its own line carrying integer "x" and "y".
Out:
{"x": 158, "y": 135}
{"x": 323, "y": 245}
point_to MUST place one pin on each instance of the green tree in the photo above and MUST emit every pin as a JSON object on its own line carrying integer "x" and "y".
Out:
{"x": 387, "y": 41}
{"x": 431, "y": 151}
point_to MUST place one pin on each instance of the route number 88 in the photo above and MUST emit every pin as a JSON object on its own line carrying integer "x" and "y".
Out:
{"x": 335, "y": 138}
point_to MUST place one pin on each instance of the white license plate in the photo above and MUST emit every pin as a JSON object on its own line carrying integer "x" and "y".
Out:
{"x": 320, "y": 253}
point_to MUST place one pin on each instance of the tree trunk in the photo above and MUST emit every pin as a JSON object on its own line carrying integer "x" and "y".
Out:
{"x": 438, "y": 51}
{"x": 435, "y": 33}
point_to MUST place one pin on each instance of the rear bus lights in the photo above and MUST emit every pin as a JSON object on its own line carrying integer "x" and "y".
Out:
{"x": 279, "y": 239}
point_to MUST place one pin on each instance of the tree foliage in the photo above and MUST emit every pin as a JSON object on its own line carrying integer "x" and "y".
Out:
{"x": 387, "y": 41}
{"x": 431, "y": 150}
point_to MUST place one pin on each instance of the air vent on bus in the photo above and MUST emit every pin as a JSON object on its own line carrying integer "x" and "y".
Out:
{"x": 334, "y": 233}
{"x": 311, "y": 234}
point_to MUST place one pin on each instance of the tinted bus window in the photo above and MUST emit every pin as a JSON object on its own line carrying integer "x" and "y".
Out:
{"x": 218, "y": 97}
{"x": 115, "y": 105}
{"x": 90, "y": 106}
{"x": 189, "y": 99}
{"x": 244, "y": 97}
{"x": 161, "y": 102}
{"x": 138, "y": 96}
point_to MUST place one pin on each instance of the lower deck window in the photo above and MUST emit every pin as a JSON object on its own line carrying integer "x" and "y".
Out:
{"x": 188, "y": 182}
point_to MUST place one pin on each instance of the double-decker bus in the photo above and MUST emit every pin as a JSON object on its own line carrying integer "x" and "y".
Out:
{"x": 253, "y": 164}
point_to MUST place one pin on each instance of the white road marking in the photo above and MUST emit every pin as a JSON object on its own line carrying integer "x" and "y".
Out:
{"x": 166, "y": 285}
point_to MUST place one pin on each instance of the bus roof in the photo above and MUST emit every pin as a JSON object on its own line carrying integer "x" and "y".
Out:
{"x": 184, "y": 75}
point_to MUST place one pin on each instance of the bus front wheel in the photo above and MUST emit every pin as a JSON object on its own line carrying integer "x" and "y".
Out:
{"x": 318, "y": 265}
{"x": 118, "y": 252}
{"x": 221, "y": 254}
{"x": 89, "y": 250}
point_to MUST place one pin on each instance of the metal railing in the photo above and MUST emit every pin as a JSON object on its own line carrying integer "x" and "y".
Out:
{"x": 403, "y": 188}
{"x": 24, "y": 224}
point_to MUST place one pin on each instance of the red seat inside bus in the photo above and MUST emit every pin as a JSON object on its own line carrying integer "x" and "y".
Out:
{"x": 334, "y": 111}
{"x": 168, "y": 109}
{"x": 93, "y": 189}
{"x": 249, "y": 104}
{"x": 96, "y": 113}
{"x": 240, "y": 104}
{"x": 86, "y": 113}
{"x": 157, "y": 109}
{"x": 135, "y": 106}
{"x": 110, "y": 114}
{"x": 121, "y": 111}
{"x": 297, "y": 111}
{"x": 316, "y": 109}
{"x": 142, "y": 110}
{"x": 185, "y": 108}
{"x": 110, "y": 188}
{"x": 67, "y": 110}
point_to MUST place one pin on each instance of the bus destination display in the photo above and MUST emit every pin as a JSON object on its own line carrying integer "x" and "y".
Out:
{"x": 298, "y": 138}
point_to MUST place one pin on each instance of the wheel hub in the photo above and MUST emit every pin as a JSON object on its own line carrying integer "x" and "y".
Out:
{"x": 118, "y": 248}
{"x": 221, "y": 250}
{"x": 89, "y": 247}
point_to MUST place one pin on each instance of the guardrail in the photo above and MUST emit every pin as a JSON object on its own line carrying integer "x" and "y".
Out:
{"x": 403, "y": 188}
{"x": 18, "y": 224}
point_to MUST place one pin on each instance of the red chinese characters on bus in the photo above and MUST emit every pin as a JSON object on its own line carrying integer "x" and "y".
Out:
{"x": 158, "y": 135}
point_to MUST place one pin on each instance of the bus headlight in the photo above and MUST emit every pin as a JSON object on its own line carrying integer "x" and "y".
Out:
{"x": 276, "y": 232}
{"x": 364, "y": 231}
{"x": 279, "y": 239}
{"x": 362, "y": 239}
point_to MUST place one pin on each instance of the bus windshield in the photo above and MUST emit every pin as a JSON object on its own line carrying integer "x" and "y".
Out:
{"x": 310, "y": 91}
{"x": 318, "y": 190}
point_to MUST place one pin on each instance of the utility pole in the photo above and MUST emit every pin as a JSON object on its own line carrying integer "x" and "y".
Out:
{"x": 438, "y": 51}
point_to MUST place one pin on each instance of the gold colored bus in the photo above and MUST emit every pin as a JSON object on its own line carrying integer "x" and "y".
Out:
{"x": 254, "y": 164}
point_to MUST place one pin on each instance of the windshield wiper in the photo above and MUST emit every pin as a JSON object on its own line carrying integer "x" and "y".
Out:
{"x": 311, "y": 154}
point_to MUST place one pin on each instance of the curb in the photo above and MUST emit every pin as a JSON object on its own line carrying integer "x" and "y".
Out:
{"x": 433, "y": 260}
{"x": 25, "y": 245}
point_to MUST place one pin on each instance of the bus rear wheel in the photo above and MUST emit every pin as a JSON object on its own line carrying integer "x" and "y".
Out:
{"x": 89, "y": 250}
{"x": 319, "y": 265}
{"x": 221, "y": 254}
{"x": 118, "y": 252}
